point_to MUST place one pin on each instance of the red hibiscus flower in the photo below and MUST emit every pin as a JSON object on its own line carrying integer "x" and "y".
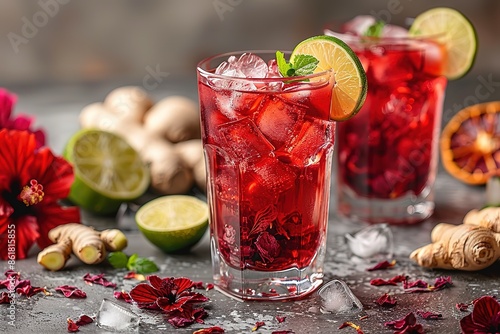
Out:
{"x": 168, "y": 294}
{"x": 21, "y": 122}
{"x": 485, "y": 317}
{"x": 32, "y": 182}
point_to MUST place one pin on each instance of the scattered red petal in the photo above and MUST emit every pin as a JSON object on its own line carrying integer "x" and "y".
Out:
{"x": 386, "y": 301}
{"x": 415, "y": 284}
{"x": 84, "y": 320}
{"x": 280, "y": 319}
{"x": 381, "y": 282}
{"x": 30, "y": 291}
{"x": 187, "y": 316}
{"x": 210, "y": 286}
{"x": 422, "y": 286}
{"x": 123, "y": 295}
{"x": 352, "y": 325}
{"x": 258, "y": 324}
{"x": 210, "y": 330}
{"x": 382, "y": 265}
{"x": 4, "y": 298}
{"x": 442, "y": 282}
{"x": 198, "y": 285}
{"x": 98, "y": 279}
{"x": 408, "y": 320}
{"x": 462, "y": 307}
{"x": 72, "y": 327}
{"x": 429, "y": 315}
{"x": 412, "y": 329}
{"x": 71, "y": 291}
{"x": 134, "y": 275}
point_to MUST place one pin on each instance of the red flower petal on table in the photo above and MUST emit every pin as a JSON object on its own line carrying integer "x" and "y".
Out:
{"x": 386, "y": 301}
{"x": 422, "y": 286}
{"x": 20, "y": 122}
{"x": 280, "y": 319}
{"x": 442, "y": 282}
{"x": 84, "y": 320}
{"x": 381, "y": 282}
{"x": 32, "y": 183}
{"x": 462, "y": 307}
{"x": 485, "y": 317}
{"x": 71, "y": 291}
{"x": 98, "y": 279}
{"x": 210, "y": 286}
{"x": 198, "y": 285}
{"x": 352, "y": 325}
{"x": 210, "y": 330}
{"x": 72, "y": 327}
{"x": 267, "y": 247}
{"x": 429, "y": 315}
{"x": 186, "y": 317}
{"x": 415, "y": 284}
{"x": 258, "y": 325}
{"x": 4, "y": 298}
{"x": 382, "y": 265}
{"x": 145, "y": 296}
{"x": 123, "y": 295}
{"x": 412, "y": 329}
{"x": 408, "y": 320}
{"x": 30, "y": 291}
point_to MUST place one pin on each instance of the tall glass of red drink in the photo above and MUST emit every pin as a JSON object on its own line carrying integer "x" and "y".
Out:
{"x": 388, "y": 153}
{"x": 268, "y": 145}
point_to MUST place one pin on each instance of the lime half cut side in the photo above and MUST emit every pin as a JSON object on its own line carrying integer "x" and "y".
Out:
{"x": 350, "y": 88}
{"x": 173, "y": 223}
{"x": 108, "y": 171}
{"x": 455, "y": 31}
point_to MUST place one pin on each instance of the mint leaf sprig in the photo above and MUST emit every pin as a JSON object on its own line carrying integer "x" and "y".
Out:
{"x": 303, "y": 65}
{"x": 375, "y": 30}
{"x": 133, "y": 262}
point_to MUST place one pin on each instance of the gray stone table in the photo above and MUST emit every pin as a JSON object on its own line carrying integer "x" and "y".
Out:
{"x": 56, "y": 109}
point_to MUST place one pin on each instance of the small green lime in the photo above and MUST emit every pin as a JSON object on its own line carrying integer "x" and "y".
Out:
{"x": 173, "y": 223}
{"x": 108, "y": 171}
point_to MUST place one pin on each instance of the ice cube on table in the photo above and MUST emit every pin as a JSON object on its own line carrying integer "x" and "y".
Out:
{"x": 371, "y": 241}
{"x": 245, "y": 139}
{"x": 337, "y": 298}
{"x": 114, "y": 317}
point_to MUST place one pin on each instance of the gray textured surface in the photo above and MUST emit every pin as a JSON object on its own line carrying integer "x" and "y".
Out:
{"x": 57, "y": 109}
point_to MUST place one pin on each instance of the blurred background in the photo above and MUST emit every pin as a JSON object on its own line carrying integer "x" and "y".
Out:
{"x": 86, "y": 48}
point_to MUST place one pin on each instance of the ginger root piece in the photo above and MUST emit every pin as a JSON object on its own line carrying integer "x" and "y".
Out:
{"x": 487, "y": 217}
{"x": 86, "y": 243}
{"x": 464, "y": 247}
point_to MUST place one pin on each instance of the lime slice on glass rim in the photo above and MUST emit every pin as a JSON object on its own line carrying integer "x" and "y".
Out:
{"x": 173, "y": 223}
{"x": 455, "y": 32}
{"x": 108, "y": 171}
{"x": 350, "y": 87}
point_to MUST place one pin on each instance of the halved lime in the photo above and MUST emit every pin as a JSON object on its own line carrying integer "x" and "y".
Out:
{"x": 455, "y": 31}
{"x": 108, "y": 171}
{"x": 350, "y": 88}
{"x": 173, "y": 223}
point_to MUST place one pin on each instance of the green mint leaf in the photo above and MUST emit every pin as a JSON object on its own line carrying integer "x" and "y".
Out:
{"x": 142, "y": 265}
{"x": 118, "y": 259}
{"x": 375, "y": 30}
{"x": 305, "y": 64}
{"x": 283, "y": 66}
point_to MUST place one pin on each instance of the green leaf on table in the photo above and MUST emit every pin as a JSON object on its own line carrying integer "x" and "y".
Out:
{"x": 141, "y": 265}
{"x": 118, "y": 259}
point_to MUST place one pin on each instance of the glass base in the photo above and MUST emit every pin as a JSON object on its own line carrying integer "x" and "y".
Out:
{"x": 292, "y": 283}
{"x": 409, "y": 209}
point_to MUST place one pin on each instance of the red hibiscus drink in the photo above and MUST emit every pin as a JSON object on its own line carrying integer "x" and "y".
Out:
{"x": 388, "y": 154}
{"x": 268, "y": 144}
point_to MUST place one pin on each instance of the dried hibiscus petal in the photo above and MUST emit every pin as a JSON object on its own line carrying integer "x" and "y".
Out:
{"x": 123, "y": 295}
{"x": 382, "y": 265}
{"x": 187, "y": 316}
{"x": 71, "y": 291}
{"x": 412, "y": 329}
{"x": 386, "y": 300}
{"x": 210, "y": 330}
{"x": 258, "y": 324}
{"x": 422, "y": 286}
{"x": 352, "y": 325}
{"x": 381, "y": 282}
{"x": 134, "y": 275}
{"x": 98, "y": 279}
{"x": 72, "y": 327}
{"x": 462, "y": 307}
{"x": 84, "y": 320}
{"x": 268, "y": 247}
{"x": 429, "y": 315}
{"x": 30, "y": 291}
{"x": 4, "y": 298}
{"x": 280, "y": 319}
{"x": 408, "y": 320}
{"x": 210, "y": 286}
